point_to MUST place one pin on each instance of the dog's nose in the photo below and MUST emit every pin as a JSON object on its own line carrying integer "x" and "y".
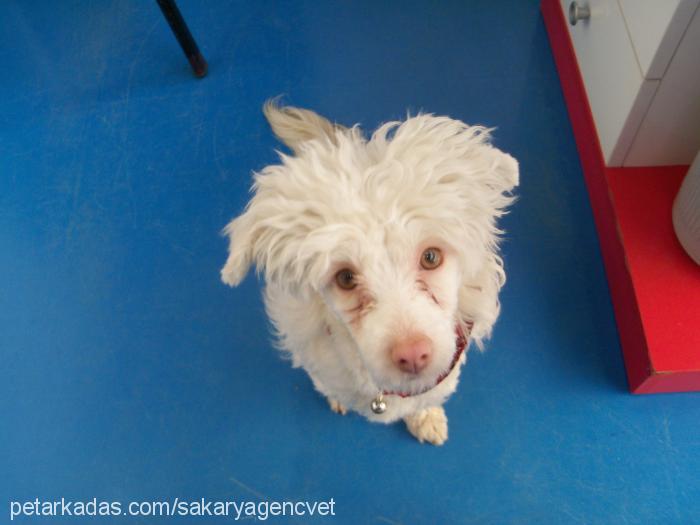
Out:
{"x": 412, "y": 355}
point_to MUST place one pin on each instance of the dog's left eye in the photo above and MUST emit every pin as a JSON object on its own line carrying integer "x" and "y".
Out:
{"x": 345, "y": 279}
{"x": 431, "y": 259}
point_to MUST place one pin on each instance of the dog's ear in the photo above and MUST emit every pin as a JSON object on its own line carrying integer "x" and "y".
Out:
{"x": 239, "y": 252}
{"x": 294, "y": 126}
{"x": 260, "y": 235}
{"x": 505, "y": 171}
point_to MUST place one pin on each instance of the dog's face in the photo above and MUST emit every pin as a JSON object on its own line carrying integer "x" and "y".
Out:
{"x": 394, "y": 291}
{"x": 390, "y": 232}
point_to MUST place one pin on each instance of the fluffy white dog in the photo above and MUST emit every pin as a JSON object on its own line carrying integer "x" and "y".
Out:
{"x": 380, "y": 257}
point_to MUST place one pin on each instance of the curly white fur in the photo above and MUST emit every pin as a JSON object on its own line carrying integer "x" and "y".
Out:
{"x": 373, "y": 205}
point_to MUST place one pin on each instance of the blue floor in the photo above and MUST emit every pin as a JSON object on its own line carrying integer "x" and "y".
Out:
{"x": 129, "y": 372}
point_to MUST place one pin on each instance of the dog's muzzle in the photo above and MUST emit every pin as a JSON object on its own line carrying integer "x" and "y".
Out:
{"x": 379, "y": 405}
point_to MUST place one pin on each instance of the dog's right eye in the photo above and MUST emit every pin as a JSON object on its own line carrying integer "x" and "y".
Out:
{"x": 431, "y": 259}
{"x": 345, "y": 279}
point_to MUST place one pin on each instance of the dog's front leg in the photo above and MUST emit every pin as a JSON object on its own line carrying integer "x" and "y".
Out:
{"x": 428, "y": 424}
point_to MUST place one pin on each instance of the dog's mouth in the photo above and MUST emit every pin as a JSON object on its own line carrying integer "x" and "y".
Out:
{"x": 462, "y": 333}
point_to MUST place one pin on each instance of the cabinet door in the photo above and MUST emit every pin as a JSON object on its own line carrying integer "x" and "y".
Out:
{"x": 618, "y": 93}
{"x": 656, "y": 28}
{"x": 670, "y": 132}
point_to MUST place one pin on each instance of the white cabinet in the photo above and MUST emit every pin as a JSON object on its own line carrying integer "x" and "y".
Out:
{"x": 655, "y": 28}
{"x": 640, "y": 62}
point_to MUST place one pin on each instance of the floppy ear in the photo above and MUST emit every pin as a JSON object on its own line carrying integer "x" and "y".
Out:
{"x": 240, "y": 249}
{"x": 506, "y": 174}
{"x": 264, "y": 235}
{"x": 498, "y": 175}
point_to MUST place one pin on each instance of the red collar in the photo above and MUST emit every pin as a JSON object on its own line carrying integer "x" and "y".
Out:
{"x": 461, "y": 343}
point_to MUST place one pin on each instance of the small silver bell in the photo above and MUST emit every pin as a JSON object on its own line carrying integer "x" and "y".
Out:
{"x": 378, "y": 405}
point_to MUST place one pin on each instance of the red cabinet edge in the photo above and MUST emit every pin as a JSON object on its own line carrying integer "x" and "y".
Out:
{"x": 642, "y": 375}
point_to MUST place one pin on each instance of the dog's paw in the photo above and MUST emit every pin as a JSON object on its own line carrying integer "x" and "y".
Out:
{"x": 428, "y": 425}
{"x": 337, "y": 407}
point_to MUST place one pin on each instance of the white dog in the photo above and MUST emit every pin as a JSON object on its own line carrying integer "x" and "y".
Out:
{"x": 380, "y": 257}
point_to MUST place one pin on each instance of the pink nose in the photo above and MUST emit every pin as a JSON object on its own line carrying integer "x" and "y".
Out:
{"x": 412, "y": 355}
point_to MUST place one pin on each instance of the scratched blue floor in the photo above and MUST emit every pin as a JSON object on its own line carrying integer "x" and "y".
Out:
{"x": 129, "y": 372}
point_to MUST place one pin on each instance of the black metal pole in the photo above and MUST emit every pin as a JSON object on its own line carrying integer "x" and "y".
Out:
{"x": 184, "y": 37}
